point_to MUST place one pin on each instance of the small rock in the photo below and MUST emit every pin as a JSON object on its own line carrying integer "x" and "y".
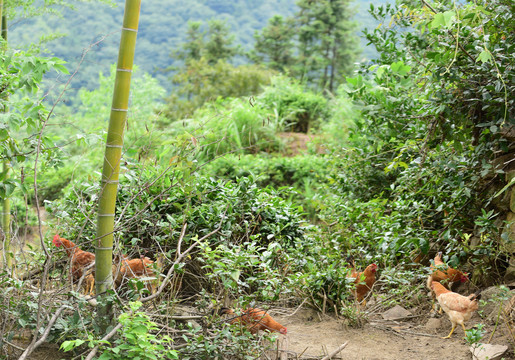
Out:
{"x": 397, "y": 312}
{"x": 433, "y": 324}
{"x": 194, "y": 324}
{"x": 487, "y": 351}
{"x": 510, "y": 271}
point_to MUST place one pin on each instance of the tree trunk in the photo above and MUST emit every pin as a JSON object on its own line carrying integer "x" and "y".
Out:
{"x": 4, "y": 26}
{"x": 113, "y": 153}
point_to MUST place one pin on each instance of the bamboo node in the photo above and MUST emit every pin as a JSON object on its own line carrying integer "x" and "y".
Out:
{"x": 106, "y": 215}
{"x": 129, "y": 29}
{"x": 110, "y": 181}
{"x": 115, "y": 109}
{"x": 114, "y": 146}
{"x": 125, "y": 70}
{"x": 104, "y": 248}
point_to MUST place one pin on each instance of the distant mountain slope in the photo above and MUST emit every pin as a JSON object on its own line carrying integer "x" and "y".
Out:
{"x": 162, "y": 27}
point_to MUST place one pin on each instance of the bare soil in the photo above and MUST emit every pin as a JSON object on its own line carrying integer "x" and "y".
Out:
{"x": 297, "y": 143}
{"x": 311, "y": 334}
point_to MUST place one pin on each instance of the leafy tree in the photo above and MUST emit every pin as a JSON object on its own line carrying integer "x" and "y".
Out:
{"x": 436, "y": 120}
{"x": 213, "y": 44}
{"x": 327, "y": 44}
{"x": 200, "y": 82}
{"x": 194, "y": 45}
{"x": 23, "y": 119}
{"x": 219, "y": 43}
{"x": 274, "y": 44}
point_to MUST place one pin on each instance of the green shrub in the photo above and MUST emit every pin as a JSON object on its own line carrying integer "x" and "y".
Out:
{"x": 137, "y": 339}
{"x": 302, "y": 179}
{"x": 290, "y": 104}
{"x": 227, "y": 126}
{"x": 153, "y": 210}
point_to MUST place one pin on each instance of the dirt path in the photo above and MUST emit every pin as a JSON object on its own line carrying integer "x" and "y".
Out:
{"x": 309, "y": 335}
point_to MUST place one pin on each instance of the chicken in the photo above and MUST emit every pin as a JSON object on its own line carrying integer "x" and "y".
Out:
{"x": 363, "y": 280}
{"x": 81, "y": 261}
{"x": 444, "y": 274}
{"x": 134, "y": 269}
{"x": 459, "y": 308}
{"x": 255, "y": 319}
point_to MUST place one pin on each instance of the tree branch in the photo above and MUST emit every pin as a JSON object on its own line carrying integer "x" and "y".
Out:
{"x": 449, "y": 32}
{"x": 33, "y": 345}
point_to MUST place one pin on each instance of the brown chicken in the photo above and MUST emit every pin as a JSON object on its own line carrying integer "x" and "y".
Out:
{"x": 134, "y": 269}
{"x": 255, "y": 319}
{"x": 81, "y": 262}
{"x": 444, "y": 274}
{"x": 363, "y": 280}
{"x": 459, "y": 308}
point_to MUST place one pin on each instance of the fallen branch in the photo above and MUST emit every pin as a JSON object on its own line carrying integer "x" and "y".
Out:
{"x": 51, "y": 323}
{"x": 94, "y": 351}
{"x": 340, "y": 348}
{"x": 298, "y": 308}
{"x": 31, "y": 274}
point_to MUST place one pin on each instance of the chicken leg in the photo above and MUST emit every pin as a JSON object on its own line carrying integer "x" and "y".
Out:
{"x": 452, "y": 330}
{"x": 90, "y": 284}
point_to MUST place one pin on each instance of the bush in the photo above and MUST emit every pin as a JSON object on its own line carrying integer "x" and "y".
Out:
{"x": 301, "y": 179}
{"x": 291, "y": 104}
{"x": 152, "y": 211}
{"x": 228, "y": 126}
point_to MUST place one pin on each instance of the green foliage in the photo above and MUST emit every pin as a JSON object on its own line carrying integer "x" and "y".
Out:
{"x": 272, "y": 171}
{"x": 24, "y": 113}
{"x": 136, "y": 339}
{"x": 274, "y": 45}
{"x": 428, "y": 127}
{"x": 475, "y": 334}
{"x": 248, "y": 272}
{"x": 218, "y": 45}
{"x": 327, "y": 44}
{"x": 233, "y": 125}
{"x": 302, "y": 179}
{"x": 154, "y": 210}
{"x": 291, "y": 104}
{"x": 248, "y": 125}
{"x": 79, "y": 136}
{"x": 200, "y": 82}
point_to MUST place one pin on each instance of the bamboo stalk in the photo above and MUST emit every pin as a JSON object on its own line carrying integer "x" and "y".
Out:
{"x": 113, "y": 153}
{"x": 6, "y": 223}
{"x": 6, "y": 203}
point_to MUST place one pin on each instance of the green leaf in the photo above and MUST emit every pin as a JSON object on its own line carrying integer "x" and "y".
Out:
{"x": 484, "y": 56}
{"x": 504, "y": 188}
{"x": 235, "y": 274}
{"x": 444, "y": 19}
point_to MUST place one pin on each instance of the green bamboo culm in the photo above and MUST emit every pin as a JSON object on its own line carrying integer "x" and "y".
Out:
{"x": 113, "y": 153}
{"x": 6, "y": 223}
{"x": 6, "y": 203}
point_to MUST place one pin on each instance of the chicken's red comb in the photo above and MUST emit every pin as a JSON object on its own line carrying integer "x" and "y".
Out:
{"x": 57, "y": 240}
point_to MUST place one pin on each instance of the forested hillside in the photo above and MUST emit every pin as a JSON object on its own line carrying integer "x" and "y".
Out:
{"x": 92, "y": 29}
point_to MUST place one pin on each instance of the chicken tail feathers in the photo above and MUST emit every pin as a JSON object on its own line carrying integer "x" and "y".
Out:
{"x": 224, "y": 310}
{"x": 350, "y": 260}
{"x": 476, "y": 296}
